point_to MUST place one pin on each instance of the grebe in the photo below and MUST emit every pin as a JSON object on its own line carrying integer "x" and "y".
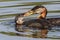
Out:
{"x": 40, "y": 23}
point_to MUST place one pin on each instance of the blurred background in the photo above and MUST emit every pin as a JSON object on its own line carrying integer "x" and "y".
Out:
{"x": 10, "y": 8}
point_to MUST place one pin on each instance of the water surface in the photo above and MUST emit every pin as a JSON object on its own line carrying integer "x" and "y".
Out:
{"x": 10, "y": 8}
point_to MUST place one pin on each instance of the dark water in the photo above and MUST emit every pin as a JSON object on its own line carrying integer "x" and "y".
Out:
{"x": 10, "y": 8}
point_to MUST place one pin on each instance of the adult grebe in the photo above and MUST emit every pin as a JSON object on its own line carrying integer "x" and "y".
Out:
{"x": 32, "y": 23}
{"x": 40, "y": 23}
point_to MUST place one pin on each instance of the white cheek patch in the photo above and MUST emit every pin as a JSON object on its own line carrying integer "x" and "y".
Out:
{"x": 20, "y": 20}
{"x": 38, "y": 12}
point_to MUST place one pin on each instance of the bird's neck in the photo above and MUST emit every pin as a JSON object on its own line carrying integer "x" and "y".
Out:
{"x": 42, "y": 15}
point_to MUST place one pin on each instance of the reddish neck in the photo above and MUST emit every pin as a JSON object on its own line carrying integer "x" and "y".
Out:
{"x": 42, "y": 15}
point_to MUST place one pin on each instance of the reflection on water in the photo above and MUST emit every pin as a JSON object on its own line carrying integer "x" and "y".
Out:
{"x": 9, "y": 9}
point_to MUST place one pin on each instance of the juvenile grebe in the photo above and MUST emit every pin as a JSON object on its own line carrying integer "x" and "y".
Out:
{"x": 40, "y": 23}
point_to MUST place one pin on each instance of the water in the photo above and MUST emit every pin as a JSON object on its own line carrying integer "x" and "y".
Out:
{"x": 10, "y": 8}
